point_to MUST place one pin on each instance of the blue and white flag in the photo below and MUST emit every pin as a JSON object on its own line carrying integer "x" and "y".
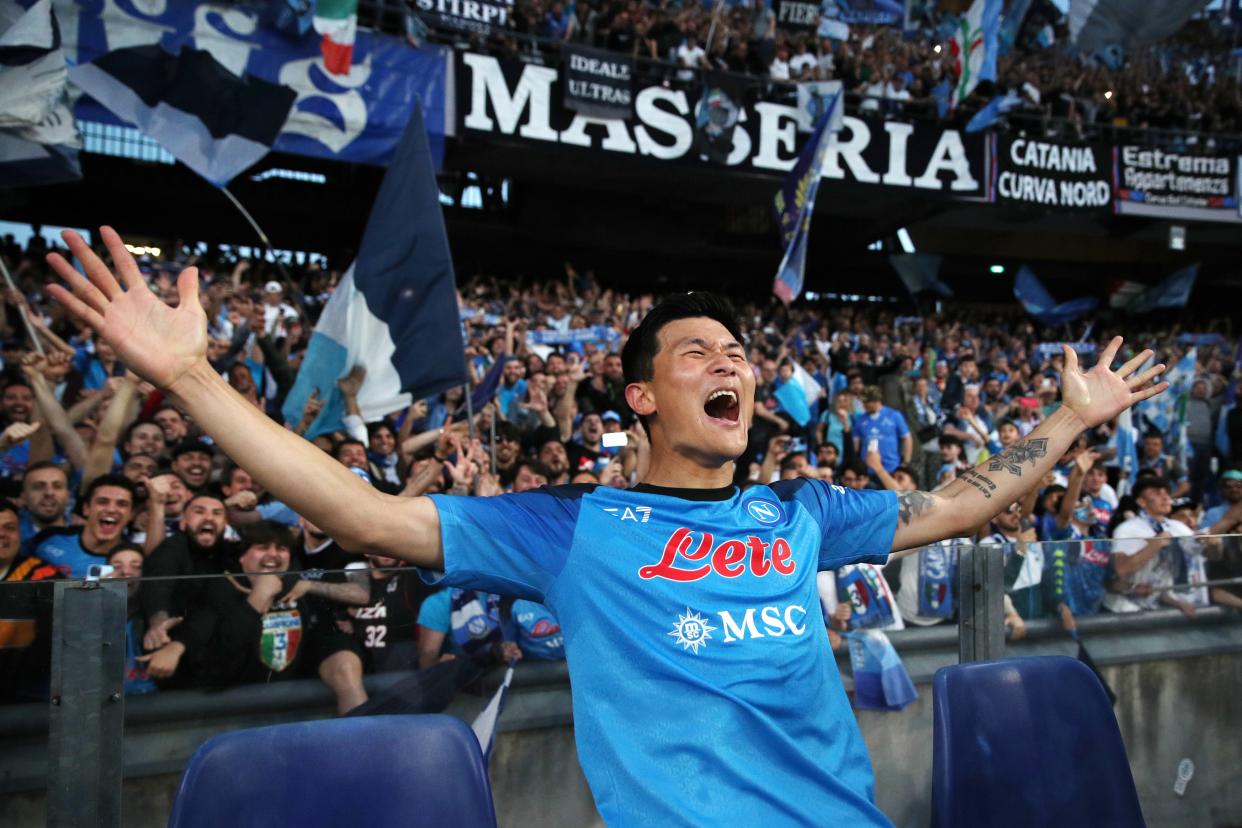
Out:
{"x": 994, "y": 111}
{"x": 799, "y": 395}
{"x": 484, "y": 725}
{"x": 974, "y": 47}
{"x": 595, "y": 333}
{"x": 208, "y": 118}
{"x": 1173, "y": 292}
{"x": 39, "y": 139}
{"x": 395, "y": 311}
{"x": 795, "y": 204}
{"x": 880, "y": 678}
{"x": 1039, "y": 303}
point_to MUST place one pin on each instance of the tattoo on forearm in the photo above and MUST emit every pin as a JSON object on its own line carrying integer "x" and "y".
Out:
{"x": 913, "y": 504}
{"x": 1013, "y": 458}
{"x": 978, "y": 481}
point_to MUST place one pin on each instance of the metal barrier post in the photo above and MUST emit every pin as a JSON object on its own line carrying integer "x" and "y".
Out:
{"x": 87, "y": 718}
{"x": 981, "y": 608}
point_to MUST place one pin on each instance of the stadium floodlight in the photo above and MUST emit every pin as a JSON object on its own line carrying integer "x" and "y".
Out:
{"x": 1177, "y": 237}
{"x": 936, "y": 48}
{"x": 997, "y": 269}
{"x": 1108, "y": 95}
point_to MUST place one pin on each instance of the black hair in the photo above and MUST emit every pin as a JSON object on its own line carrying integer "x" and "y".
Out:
{"x": 45, "y": 464}
{"x": 119, "y": 481}
{"x": 264, "y": 532}
{"x": 7, "y": 505}
{"x": 340, "y": 444}
{"x": 638, "y": 355}
{"x": 16, "y": 379}
{"x": 950, "y": 440}
{"x": 129, "y": 432}
{"x": 1144, "y": 483}
{"x": 858, "y": 467}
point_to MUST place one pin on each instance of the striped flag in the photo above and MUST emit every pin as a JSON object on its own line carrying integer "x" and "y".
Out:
{"x": 395, "y": 311}
{"x": 214, "y": 122}
{"x": 974, "y": 47}
{"x": 337, "y": 21}
{"x": 39, "y": 139}
{"x": 484, "y": 725}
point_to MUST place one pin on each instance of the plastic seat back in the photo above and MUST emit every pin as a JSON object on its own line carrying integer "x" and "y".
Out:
{"x": 376, "y": 771}
{"x": 1028, "y": 742}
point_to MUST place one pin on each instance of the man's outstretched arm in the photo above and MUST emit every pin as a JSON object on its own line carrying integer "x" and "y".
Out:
{"x": 979, "y": 494}
{"x": 167, "y": 346}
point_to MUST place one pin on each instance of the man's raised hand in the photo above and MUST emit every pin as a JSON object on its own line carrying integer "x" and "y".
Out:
{"x": 1100, "y": 394}
{"x": 159, "y": 343}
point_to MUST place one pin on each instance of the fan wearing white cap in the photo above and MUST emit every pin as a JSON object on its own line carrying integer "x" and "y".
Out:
{"x": 275, "y": 310}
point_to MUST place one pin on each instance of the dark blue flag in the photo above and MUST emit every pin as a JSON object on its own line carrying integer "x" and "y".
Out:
{"x": 395, "y": 311}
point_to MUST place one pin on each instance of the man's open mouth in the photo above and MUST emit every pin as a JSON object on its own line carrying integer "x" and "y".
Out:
{"x": 723, "y": 405}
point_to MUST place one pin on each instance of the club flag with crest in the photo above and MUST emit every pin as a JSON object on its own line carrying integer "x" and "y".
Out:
{"x": 337, "y": 21}
{"x": 395, "y": 310}
{"x": 974, "y": 47}
{"x": 717, "y": 114}
{"x": 214, "y": 122}
{"x": 795, "y": 203}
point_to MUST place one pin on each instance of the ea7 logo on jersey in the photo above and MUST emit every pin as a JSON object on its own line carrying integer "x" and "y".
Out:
{"x": 638, "y": 514}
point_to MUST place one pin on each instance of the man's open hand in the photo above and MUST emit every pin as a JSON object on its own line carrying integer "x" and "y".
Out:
{"x": 160, "y": 343}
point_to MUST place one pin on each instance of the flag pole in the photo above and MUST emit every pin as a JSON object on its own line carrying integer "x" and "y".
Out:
{"x": 259, "y": 230}
{"x": 491, "y": 427}
{"x": 465, "y": 387}
{"x": 21, "y": 309}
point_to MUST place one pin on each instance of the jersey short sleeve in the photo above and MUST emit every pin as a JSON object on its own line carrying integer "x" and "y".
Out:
{"x": 434, "y": 613}
{"x": 512, "y": 544}
{"x": 899, "y": 423}
{"x": 855, "y": 526}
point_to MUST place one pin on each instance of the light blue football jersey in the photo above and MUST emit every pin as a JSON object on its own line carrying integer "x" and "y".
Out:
{"x": 704, "y": 688}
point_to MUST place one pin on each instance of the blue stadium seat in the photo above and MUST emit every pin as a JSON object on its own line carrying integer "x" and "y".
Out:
{"x": 375, "y": 771}
{"x": 1028, "y": 742}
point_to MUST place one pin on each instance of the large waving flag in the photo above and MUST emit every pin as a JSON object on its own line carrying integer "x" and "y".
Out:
{"x": 974, "y": 47}
{"x": 337, "y": 21}
{"x": 214, "y": 122}
{"x": 993, "y": 111}
{"x": 1096, "y": 23}
{"x": 395, "y": 311}
{"x": 1173, "y": 292}
{"x": 1038, "y": 302}
{"x": 795, "y": 203}
{"x": 39, "y": 139}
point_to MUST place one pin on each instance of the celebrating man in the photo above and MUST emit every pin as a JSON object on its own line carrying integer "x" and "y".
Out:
{"x": 704, "y": 692}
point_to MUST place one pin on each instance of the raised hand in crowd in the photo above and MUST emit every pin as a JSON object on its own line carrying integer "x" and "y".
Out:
{"x": 16, "y": 434}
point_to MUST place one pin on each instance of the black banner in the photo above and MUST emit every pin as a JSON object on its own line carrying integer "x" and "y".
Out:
{"x": 1059, "y": 176}
{"x": 1154, "y": 182}
{"x": 509, "y": 101}
{"x": 597, "y": 84}
{"x": 480, "y": 16}
{"x": 798, "y": 15}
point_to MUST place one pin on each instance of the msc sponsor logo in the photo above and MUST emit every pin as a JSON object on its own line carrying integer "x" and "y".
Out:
{"x": 692, "y": 629}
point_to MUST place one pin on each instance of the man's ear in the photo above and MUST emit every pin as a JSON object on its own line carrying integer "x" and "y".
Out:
{"x": 640, "y": 398}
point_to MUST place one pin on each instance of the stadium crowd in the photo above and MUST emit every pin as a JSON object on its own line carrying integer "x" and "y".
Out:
{"x": 102, "y": 471}
{"x": 1182, "y": 83}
